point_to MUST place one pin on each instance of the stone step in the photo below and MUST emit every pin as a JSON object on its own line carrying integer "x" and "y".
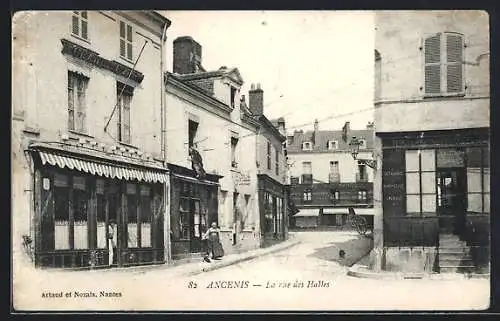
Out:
{"x": 462, "y": 249}
{"x": 456, "y": 269}
{"x": 456, "y": 262}
{"x": 455, "y": 256}
{"x": 458, "y": 242}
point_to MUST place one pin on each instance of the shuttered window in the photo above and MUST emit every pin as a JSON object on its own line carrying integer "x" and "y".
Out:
{"x": 125, "y": 40}
{"x": 79, "y": 24}
{"x": 443, "y": 64}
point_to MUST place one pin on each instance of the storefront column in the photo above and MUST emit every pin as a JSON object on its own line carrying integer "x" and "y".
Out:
{"x": 376, "y": 256}
{"x": 167, "y": 245}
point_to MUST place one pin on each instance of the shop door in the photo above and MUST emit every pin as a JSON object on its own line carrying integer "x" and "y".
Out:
{"x": 451, "y": 193}
{"x": 114, "y": 224}
{"x": 198, "y": 225}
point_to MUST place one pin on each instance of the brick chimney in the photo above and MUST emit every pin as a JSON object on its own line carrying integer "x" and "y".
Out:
{"x": 187, "y": 56}
{"x": 256, "y": 100}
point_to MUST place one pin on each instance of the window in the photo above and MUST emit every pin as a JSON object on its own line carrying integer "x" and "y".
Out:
{"x": 277, "y": 156}
{"x": 125, "y": 40}
{"x": 478, "y": 180}
{"x": 268, "y": 155}
{"x": 79, "y": 24}
{"x": 362, "y": 144}
{"x": 334, "y": 175}
{"x": 332, "y": 144}
{"x": 307, "y": 197}
{"x": 234, "y": 144}
{"x": 306, "y": 173}
{"x": 233, "y": 96}
{"x": 192, "y": 131}
{"x": 77, "y": 109}
{"x": 443, "y": 60}
{"x": 420, "y": 181}
{"x": 124, "y": 97}
{"x": 269, "y": 213}
{"x": 362, "y": 195}
{"x": 294, "y": 180}
{"x": 306, "y": 146}
{"x": 362, "y": 175}
{"x": 334, "y": 195}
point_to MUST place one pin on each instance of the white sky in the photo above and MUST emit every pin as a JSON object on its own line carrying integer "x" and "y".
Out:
{"x": 311, "y": 64}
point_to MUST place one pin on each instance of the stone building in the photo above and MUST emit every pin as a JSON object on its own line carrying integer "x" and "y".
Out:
{"x": 87, "y": 140}
{"x": 432, "y": 127}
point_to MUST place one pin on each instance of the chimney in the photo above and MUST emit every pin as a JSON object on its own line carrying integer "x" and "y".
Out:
{"x": 370, "y": 125}
{"x": 256, "y": 100}
{"x": 316, "y": 126}
{"x": 187, "y": 55}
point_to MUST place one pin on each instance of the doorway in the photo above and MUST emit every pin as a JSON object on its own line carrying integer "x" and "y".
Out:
{"x": 451, "y": 200}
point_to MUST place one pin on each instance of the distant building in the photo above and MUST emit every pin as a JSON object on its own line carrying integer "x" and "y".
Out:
{"x": 325, "y": 179}
{"x": 432, "y": 127}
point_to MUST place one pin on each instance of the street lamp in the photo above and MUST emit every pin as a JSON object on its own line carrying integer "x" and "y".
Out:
{"x": 354, "y": 144}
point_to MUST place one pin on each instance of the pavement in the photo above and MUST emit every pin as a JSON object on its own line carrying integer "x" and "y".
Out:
{"x": 303, "y": 273}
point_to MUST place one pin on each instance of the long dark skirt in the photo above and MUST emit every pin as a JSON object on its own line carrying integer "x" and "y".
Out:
{"x": 214, "y": 246}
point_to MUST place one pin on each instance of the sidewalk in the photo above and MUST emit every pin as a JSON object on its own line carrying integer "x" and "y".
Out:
{"x": 194, "y": 268}
{"x": 361, "y": 270}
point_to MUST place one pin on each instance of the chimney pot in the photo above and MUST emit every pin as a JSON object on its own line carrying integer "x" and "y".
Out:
{"x": 258, "y": 85}
{"x": 252, "y": 87}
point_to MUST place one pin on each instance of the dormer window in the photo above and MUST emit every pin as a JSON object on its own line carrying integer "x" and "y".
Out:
{"x": 233, "y": 96}
{"x": 333, "y": 144}
{"x": 307, "y": 146}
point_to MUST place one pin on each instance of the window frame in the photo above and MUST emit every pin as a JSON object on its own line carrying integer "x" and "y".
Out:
{"x": 269, "y": 152}
{"x": 234, "y": 152}
{"x": 307, "y": 195}
{"x": 81, "y": 21}
{"x": 127, "y": 39}
{"x": 75, "y": 105}
{"x": 277, "y": 160}
{"x": 336, "y": 145}
{"x": 124, "y": 109}
{"x": 443, "y": 65}
{"x": 309, "y": 144}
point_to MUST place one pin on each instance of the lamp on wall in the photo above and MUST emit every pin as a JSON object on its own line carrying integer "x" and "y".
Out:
{"x": 354, "y": 145}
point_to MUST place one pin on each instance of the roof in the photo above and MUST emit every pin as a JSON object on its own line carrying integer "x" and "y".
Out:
{"x": 321, "y": 140}
{"x": 221, "y": 72}
{"x": 270, "y": 126}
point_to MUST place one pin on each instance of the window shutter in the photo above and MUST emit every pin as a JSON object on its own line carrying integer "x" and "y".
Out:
{"x": 122, "y": 39}
{"x": 75, "y": 25}
{"x": 84, "y": 29}
{"x": 454, "y": 58}
{"x": 432, "y": 64}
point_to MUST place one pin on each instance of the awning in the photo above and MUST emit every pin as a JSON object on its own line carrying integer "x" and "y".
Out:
{"x": 106, "y": 170}
{"x": 345, "y": 210}
{"x": 308, "y": 212}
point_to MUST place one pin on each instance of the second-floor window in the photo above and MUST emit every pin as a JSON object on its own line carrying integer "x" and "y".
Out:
{"x": 79, "y": 24}
{"x": 307, "y": 197}
{"x": 277, "y": 156}
{"x": 306, "y": 146}
{"x": 269, "y": 155}
{"x": 124, "y": 95}
{"x": 443, "y": 58}
{"x": 77, "y": 109}
{"x": 334, "y": 175}
{"x": 234, "y": 146}
{"x": 126, "y": 41}
{"x": 307, "y": 173}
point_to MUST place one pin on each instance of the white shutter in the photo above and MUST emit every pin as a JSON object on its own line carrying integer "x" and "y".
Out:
{"x": 454, "y": 53}
{"x": 432, "y": 49}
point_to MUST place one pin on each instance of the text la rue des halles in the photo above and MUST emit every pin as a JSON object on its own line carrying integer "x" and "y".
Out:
{"x": 268, "y": 284}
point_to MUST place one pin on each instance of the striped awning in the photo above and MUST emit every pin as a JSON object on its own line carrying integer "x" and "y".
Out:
{"x": 345, "y": 210}
{"x": 308, "y": 212}
{"x": 111, "y": 171}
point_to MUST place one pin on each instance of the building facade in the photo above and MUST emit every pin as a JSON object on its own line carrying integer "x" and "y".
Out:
{"x": 87, "y": 153}
{"x": 271, "y": 171}
{"x": 325, "y": 180}
{"x": 204, "y": 113}
{"x": 432, "y": 127}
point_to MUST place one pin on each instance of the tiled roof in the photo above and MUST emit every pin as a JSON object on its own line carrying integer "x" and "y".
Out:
{"x": 320, "y": 142}
{"x": 223, "y": 71}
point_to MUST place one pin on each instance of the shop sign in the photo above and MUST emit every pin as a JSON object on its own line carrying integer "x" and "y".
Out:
{"x": 241, "y": 179}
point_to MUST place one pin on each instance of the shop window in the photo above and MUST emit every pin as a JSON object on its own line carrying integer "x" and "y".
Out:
{"x": 79, "y": 24}
{"x": 77, "y": 106}
{"x": 80, "y": 201}
{"x": 62, "y": 219}
{"x": 269, "y": 210}
{"x": 132, "y": 226}
{"x": 101, "y": 214}
{"x": 478, "y": 180}
{"x": 420, "y": 182}
{"x": 124, "y": 99}
{"x": 145, "y": 216}
{"x": 126, "y": 41}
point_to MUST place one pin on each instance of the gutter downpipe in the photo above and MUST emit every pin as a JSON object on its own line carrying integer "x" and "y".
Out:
{"x": 166, "y": 217}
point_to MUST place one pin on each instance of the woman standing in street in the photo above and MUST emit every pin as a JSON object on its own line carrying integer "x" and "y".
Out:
{"x": 213, "y": 242}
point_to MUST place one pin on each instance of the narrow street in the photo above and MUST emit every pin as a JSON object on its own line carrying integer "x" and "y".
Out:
{"x": 308, "y": 276}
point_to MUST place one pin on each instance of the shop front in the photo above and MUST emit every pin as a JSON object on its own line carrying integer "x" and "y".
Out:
{"x": 193, "y": 208}
{"x": 436, "y": 187}
{"x": 93, "y": 211}
{"x": 272, "y": 205}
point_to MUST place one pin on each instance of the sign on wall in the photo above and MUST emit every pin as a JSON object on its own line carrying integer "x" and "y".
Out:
{"x": 393, "y": 182}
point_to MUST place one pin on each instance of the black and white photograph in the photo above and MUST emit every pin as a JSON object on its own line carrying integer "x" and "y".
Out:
{"x": 314, "y": 160}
